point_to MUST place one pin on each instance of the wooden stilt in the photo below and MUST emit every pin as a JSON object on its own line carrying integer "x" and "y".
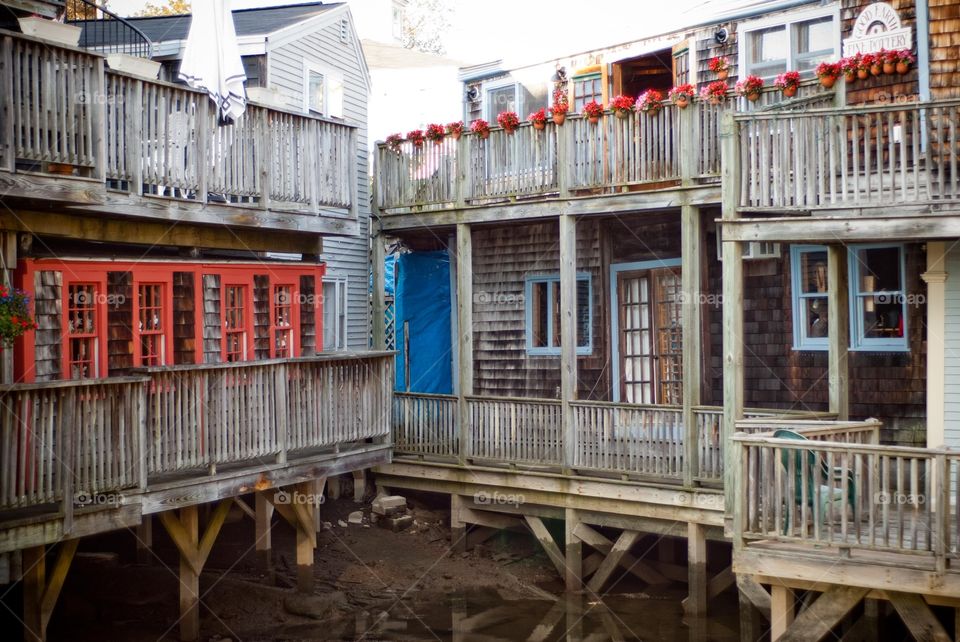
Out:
{"x": 639, "y": 568}
{"x": 546, "y": 541}
{"x": 838, "y": 331}
{"x": 458, "y": 528}
{"x": 696, "y": 602}
{"x": 194, "y": 551}
{"x": 824, "y": 614}
{"x": 264, "y": 537}
{"x": 333, "y": 487}
{"x": 781, "y": 610}
{"x": 145, "y": 540}
{"x": 574, "y": 617}
{"x": 692, "y": 352}
{"x": 920, "y": 620}
{"x": 622, "y": 547}
{"x": 40, "y": 592}
{"x": 568, "y": 337}
{"x": 549, "y": 622}
{"x": 300, "y": 516}
{"x": 359, "y": 485}
{"x": 574, "y": 552}
{"x": 464, "y": 345}
{"x": 319, "y": 488}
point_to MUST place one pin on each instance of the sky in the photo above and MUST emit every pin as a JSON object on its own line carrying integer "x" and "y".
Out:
{"x": 520, "y": 31}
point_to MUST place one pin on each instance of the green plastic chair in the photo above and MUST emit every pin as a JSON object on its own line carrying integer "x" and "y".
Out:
{"x": 829, "y": 494}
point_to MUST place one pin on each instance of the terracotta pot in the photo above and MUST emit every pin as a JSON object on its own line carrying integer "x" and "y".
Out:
{"x": 418, "y": 145}
{"x": 653, "y": 111}
{"x": 714, "y": 100}
{"x": 722, "y": 75}
{"x": 682, "y": 102}
{"x": 559, "y": 118}
{"x": 509, "y": 131}
{"x": 593, "y": 119}
{"x": 539, "y": 125}
{"x": 889, "y": 68}
{"x": 849, "y": 76}
{"x": 455, "y": 135}
{"x": 876, "y": 69}
{"x": 903, "y": 67}
{"x": 753, "y": 96}
{"x": 827, "y": 81}
{"x": 438, "y": 142}
{"x": 622, "y": 113}
{"x": 790, "y": 91}
{"x": 863, "y": 74}
{"x": 484, "y": 135}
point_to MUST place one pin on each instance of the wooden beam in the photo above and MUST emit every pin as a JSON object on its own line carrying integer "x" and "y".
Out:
{"x": 379, "y": 311}
{"x": 458, "y": 527}
{"x": 857, "y": 228}
{"x": 622, "y": 547}
{"x": 306, "y": 540}
{"x": 542, "y": 631}
{"x": 464, "y": 337}
{"x": 838, "y": 331}
{"x": 817, "y": 620}
{"x": 781, "y": 610}
{"x": 696, "y": 602}
{"x": 920, "y": 620}
{"x": 40, "y": 592}
{"x": 187, "y": 541}
{"x": 568, "y": 336}
{"x": 573, "y": 549}
{"x": 491, "y": 519}
{"x": 755, "y": 593}
{"x": 263, "y": 533}
{"x": 245, "y": 508}
{"x": 546, "y": 541}
{"x": 212, "y": 530}
{"x": 720, "y": 582}
{"x": 692, "y": 350}
{"x": 637, "y": 567}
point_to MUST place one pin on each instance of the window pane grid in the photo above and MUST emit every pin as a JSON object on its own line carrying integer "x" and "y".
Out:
{"x": 150, "y": 320}
{"x": 283, "y": 321}
{"x": 234, "y": 322}
{"x": 543, "y": 312}
{"x": 82, "y": 354}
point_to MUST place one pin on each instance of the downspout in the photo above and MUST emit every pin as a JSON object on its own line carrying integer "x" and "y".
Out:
{"x": 923, "y": 49}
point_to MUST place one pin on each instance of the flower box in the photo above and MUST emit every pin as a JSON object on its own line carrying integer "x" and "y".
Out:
{"x": 134, "y": 65}
{"x": 50, "y": 30}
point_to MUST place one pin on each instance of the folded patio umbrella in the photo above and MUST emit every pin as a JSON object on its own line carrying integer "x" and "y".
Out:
{"x": 211, "y": 61}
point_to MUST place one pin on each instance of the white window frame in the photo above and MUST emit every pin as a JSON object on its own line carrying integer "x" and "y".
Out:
{"x": 340, "y": 315}
{"x": 858, "y": 342}
{"x": 787, "y": 21}
{"x": 328, "y": 75}
{"x": 488, "y": 108}
{"x": 549, "y": 349}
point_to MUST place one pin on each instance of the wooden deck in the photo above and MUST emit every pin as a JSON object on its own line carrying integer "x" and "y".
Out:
{"x": 97, "y": 140}
{"x": 85, "y": 456}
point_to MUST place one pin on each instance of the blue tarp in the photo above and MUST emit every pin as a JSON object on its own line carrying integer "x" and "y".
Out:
{"x": 388, "y": 275}
{"x": 423, "y": 305}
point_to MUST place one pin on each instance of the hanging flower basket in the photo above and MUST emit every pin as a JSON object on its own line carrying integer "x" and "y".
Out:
{"x": 714, "y": 93}
{"x": 828, "y": 72}
{"x": 750, "y": 87}
{"x": 560, "y": 106}
{"x": 622, "y": 106}
{"x": 15, "y": 317}
{"x": 436, "y": 133}
{"x": 394, "y": 141}
{"x": 481, "y": 128}
{"x": 509, "y": 121}
{"x": 720, "y": 65}
{"x": 788, "y": 82}
{"x": 538, "y": 119}
{"x": 455, "y": 129}
{"x": 681, "y": 95}
{"x": 592, "y": 111}
{"x": 416, "y": 137}
{"x": 650, "y": 102}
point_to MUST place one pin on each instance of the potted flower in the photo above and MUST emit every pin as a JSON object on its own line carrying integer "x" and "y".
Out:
{"x": 394, "y": 141}
{"x": 622, "y": 106}
{"x": 788, "y": 82}
{"x": 681, "y": 95}
{"x": 714, "y": 93}
{"x": 888, "y": 59}
{"x": 864, "y": 63}
{"x": 874, "y": 63}
{"x": 436, "y": 132}
{"x": 455, "y": 129}
{"x": 15, "y": 317}
{"x": 720, "y": 65}
{"x": 828, "y": 72}
{"x": 508, "y": 120}
{"x": 416, "y": 137}
{"x": 560, "y": 107}
{"x": 538, "y": 118}
{"x": 749, "y": 87}
{"x": 481, "y": 128}
{"x": 592, "y": 111}
{"x": 848, "y": 66}
{"x": 905, "y": 58}
{"x": 650, "y": 102}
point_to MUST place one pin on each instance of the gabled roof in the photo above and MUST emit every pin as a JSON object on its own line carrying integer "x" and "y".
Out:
{"x": 247, "y": 22}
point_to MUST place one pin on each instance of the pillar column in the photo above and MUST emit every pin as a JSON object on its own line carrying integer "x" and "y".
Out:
{"x": 936, "y": 279}
{"x": 690, "y": 285}
{"x": 696, "y": 603}
{"x": 838, "y": 331}
{"x": 464, "y": 334}
{"x": 568, "y": 335}
{"x": 573, "y": 552}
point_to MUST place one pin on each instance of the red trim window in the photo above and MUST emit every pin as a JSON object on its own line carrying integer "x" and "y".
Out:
{"x": 82, "y": 340}
{"x": 151, "y": 324}
{"x": 235, "y": 322}
{"x": 281, "y": 322}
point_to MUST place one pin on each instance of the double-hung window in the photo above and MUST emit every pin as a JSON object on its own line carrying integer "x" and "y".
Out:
{"x": 878, "y": 298}
{"x": 281, "y": 325}
{"x": 587, "y": 88}
{"x": 151, "y": 319}
{"x": 235, "y": 322}
{"x": 83, "y": 343}
{"x": 334, "y": 313}
{"x": 322, "y": 91}
{"x": 800, "y": 41}
{"x": 542, "y": 301}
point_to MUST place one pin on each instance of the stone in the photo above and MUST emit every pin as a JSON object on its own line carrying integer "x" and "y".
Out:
{"x": 341, "y": 523}
{"x": 317, "y": 607}
{"x": 396, "y": 524}
{"x": 389, "y": 505}
{"x": 356, "y": 517}
{"x": 327, "y": 526}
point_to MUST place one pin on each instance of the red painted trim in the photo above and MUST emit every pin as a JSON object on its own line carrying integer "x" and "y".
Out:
{"x": 165, "y": 280}
{"x": 318, "y": 304}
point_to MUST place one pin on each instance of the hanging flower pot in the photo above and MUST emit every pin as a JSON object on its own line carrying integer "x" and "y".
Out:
{"x": 790, "y": 91}
{"x": 455, "y": 129}
{"x": 720, "y": 65}
{"x": 509, "y": 121}
{"x": 622, "y": 113}
{"x": 714, "y": 100}
{"x": 481, "y": 128}
{"x": 876, "y": 69}
{"x": 622, "y": 106}
{"x": 484, "y": 135}
{"x": 593, "y": 119}
{"x": 723, "y": 75}
{"x": 750, "y": 88}
{"x": 558, "y": 117}
{"x": 788, "y": 82}
{"x": 889, "y": 68}
{"x": 681, "y": 102}
{"x": 863, "y": 74}
{"x": 455, "y": 135}
{"x": 902, "y": 67}
{"x": 593, "y": 110}
{"x": 539, "y": 126}
{"x": 849, "y": 76}
{"x": 753, "y": 96}
{"x": 416, "y": 137}
{"x": 538, "y": 119}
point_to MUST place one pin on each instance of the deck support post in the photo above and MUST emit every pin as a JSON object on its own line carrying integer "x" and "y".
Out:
{"x": 917, "y": 616}
{"x": 568, "y": 337}
{"x": 359, "y": 485}
{"x": 40, "y": 592}
{"x": 333, "y": 487}
{"x": 691, "y": 317}
{"x": 464, "y": 337}
{"x": 379, "y": 311}
{"x": 838, "y": 331}
{"x": 573, "y": 550}
{"x": 816, "y": 621}
{"x": 194, "y": 551}
{"x": 264, "y": 541}
{"x": 144, "y": 535}
{"x": 536, "y": 526}
{"x": 733, "y": 398}
{"x": 300, "y": 515}
{"x": 936, "y": 279}
{"x": 781, "y": 610}
{"x": 696, "y": 602}
{"x": 458, "y": 528}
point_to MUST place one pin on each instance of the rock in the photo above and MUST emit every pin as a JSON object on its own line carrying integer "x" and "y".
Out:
{"x": 396, "y": 524}
{"x": 327, "y": 526}
{"x": 317, "y": 607}
{"x": 356, "y": 517}
{"x": 341, "y": 523}
{"x": 389, "y": 505}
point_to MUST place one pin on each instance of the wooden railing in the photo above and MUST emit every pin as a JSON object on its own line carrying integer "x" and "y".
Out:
{"x": 148, "y": 137}
{"x": 646, "y": 440}
{"x": 851, "y": 157}
{"x": 64, "y": 440}
{"x": 841, "y": 489}
{"x": 425, "y": 424}
{"x": 515, "y": 430}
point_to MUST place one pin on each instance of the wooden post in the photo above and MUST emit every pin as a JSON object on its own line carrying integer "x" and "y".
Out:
{"x": 691, "y": 323}
{"x": 98, "y": 117}
{"x": 189, "y": 578}
{"x": 264, "y": 541}
{"x": 574, "y": 551}
{"x": 568, "y": 336}
{"x": 838, "y": 331}
{"x": 379, "y": 322}
{"x": 7, "y": 132}
{"x": 781, "y": 611}
{"x": 359, "y": 485}
{"x": 564, "y": 161}
{"x": 40, "y": 592}
{"x": 265, "y": 161}
{"x": 280, "y": 394}
{"x": 306, "y": 539}
{"x": 689, "y": 142}
{"x": 145, "y": 540}
{"x": 732, "y": 307}
{"x": 333, "y": 487}
{"x": 936, "y": 278}
{"x": 696, "y": 602}
{"x": 464, "y": 335}
{"x": 203, "y": 146}
{"x": 458, "y": 528}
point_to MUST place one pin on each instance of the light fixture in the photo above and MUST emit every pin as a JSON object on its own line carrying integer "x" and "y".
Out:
{"x": 720, "y": 36}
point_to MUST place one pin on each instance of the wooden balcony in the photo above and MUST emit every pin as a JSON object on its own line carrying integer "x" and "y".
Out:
{"x": 95, "y": 140}
{"x": 840, "y": 508}
{"x": 183, "y": 435}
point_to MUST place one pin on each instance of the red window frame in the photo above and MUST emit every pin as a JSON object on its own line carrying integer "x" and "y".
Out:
{"x": 285, "y": 305}
{"x": 164, "y": 335}
{"x": 236, "y": 319}
{"x": 93, "y": 302}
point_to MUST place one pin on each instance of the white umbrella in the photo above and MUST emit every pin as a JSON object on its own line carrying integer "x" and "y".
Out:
{"x": 211, "y": 61}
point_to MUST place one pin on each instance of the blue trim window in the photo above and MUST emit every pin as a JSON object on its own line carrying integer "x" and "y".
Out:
{"x": 878, "y": 311}
{"x": 542, "y": 306}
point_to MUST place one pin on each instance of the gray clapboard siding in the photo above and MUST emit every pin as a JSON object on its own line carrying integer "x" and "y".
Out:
{"x": 345, "y": 256}
{"x": 952, "y": 340}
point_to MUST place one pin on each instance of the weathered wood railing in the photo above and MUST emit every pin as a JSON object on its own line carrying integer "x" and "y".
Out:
{"x": 66, "y": 440}
{"x": 840, "y": 489}
{"x": 149, "y": 137}
{"x": 852, "y": 157}
{"x": 515, "y": 430}
{"x": 425, "y": 424}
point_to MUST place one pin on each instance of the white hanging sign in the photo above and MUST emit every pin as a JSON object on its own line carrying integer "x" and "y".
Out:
{"x": 877, "y": 27}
